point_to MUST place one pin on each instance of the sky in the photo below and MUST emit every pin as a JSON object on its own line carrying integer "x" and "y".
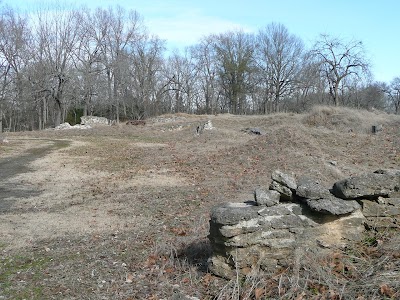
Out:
{"x": 183, "y": 22}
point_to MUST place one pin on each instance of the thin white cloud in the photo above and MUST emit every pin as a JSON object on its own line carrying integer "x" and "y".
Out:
{"x": 187, "y": 29}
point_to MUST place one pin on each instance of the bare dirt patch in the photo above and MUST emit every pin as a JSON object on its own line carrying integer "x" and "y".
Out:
{"x": 122, "y": 212}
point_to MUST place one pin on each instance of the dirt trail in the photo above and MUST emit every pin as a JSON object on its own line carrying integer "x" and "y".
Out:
{"x": 20, "y": 164}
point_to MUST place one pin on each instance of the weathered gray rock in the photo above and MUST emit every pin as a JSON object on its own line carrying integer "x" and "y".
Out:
{"x": 278, "y": 210}
{"x": 393, "y": 201}
{"x": 246, "y": 236}
{"x": 286, "y": 222}
{"x": 233, "y": 213}
{"x": 311, "y": 189}
{"x": 284, "y": 179}
{"x": 332, "y": 205}
{"x": 242, "y": 227}
{"x": 266, "y": 198}
{"x": 266, "y": 238}
{"x": 374, "y": 209}
{"x": 366, "y": 186}
{"x": 285, "y": 192}
{"x": 218, "y": 266}
{"x": 382, "y": 223}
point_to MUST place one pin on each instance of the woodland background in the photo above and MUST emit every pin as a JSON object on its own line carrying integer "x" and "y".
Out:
{"x": 58, "y": 64}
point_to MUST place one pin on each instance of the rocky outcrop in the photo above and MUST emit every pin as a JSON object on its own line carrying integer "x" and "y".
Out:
{"x": 298, "y": 214}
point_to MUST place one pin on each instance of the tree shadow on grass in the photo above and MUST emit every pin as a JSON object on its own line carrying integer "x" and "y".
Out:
{"x": 9, "y": 196}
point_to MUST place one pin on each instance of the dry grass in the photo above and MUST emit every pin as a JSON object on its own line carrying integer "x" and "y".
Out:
{"x": 122, "y": 213}
{"x": 347, "y": 119}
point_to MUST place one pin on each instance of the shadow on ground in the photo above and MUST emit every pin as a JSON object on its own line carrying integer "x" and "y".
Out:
{"x": 11, "y": 167}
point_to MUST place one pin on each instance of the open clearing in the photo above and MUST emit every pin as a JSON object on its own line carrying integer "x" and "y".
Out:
{"x": 121, "y": 212}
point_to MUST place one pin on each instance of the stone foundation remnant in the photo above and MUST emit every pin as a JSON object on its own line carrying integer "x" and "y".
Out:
{"x": 92, "y": 120}
{"x": 300, "y": 213}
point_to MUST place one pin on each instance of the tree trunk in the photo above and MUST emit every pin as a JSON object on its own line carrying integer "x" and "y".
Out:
{"x": 109, "y": 92}
{"x": 335, "y": 94}
{"x": 57, "y": 120}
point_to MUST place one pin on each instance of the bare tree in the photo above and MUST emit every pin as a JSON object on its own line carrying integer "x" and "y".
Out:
{"x": 124, "y": 30}
{"x": 338, "y": 60}
{"x": 394, "y": 94}
{"x": 56, "y": 41}
{"x": 204, "y": 61}
{"x": 87, "y": 59}
{"x": 182, "y": 74}
{"x": 235, "y": 66}
{"x": 145, "y": 72}
{"x": 309, "y": 86}
{"x": 280, "y": 59}
{"x": 14, "y": 55}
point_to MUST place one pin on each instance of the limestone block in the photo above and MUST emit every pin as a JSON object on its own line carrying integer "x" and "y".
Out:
{"x": 284, "y": 179}
{"x": 233, "y": 213}
{"x": 266, "y": 198}
{"x": 332, "y": 205}
{"x": 278, "y": 210}
{"x": 311, "y": 189}
{"x": 266, "y": 238}
{"x": 367, "y": 186}
{"x": 286, "y": 193}
{"x": 383, "y": 223}
{"x": 374, "y": 209}
{"x": 242, "y": 227}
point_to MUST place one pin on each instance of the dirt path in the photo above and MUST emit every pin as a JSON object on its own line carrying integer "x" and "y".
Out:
{"x": 17, "y": 165}
{"x": 36, "y": 188}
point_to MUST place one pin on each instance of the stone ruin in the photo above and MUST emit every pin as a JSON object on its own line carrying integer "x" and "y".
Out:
{"x": 92, "y": 120}
{"x": 66, "y": 126}
{"x": 295, "y": 214}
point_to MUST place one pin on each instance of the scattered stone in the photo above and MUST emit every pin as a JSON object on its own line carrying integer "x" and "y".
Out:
{"x": 266, "y": 198}
{"x": 205, "y": 126}
{"x": 377, "y": 128}
{"x": 208, "y": 125}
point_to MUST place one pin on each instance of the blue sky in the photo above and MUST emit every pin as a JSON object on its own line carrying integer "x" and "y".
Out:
{"x": 183, "y": 22}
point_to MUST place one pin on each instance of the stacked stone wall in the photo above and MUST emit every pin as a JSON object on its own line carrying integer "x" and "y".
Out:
{"x": 300, "y": 213}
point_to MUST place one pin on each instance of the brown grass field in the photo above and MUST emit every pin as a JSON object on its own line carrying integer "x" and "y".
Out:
{"x": 121, "y": 212}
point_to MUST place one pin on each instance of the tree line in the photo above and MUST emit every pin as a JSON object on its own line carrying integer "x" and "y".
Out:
{"x": 59, "y": 64}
